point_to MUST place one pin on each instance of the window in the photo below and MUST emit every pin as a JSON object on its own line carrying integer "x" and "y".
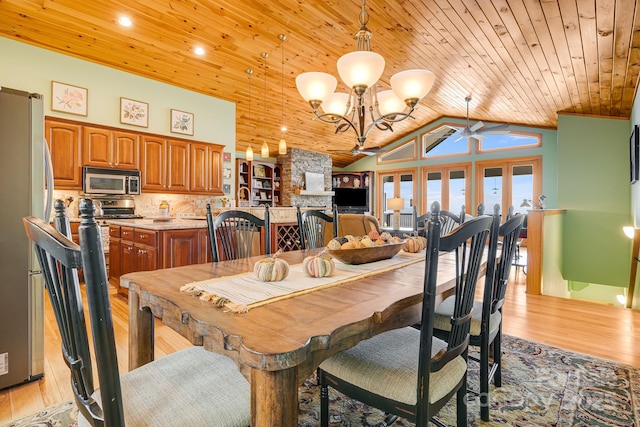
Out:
{"x": 508, "y": 182}
{"x": 403, "y": 153}
{"x": 512, "y": 140}
{"x": 448, "y": 185}
{"x": 443, "y": 141}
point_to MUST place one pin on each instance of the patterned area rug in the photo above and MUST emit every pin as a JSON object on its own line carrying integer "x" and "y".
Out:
{"x": 541, "y": 386}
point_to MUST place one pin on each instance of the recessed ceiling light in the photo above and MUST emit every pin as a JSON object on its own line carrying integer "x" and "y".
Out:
{"x": 199, "y": 51}
{"x": 125, "y": 21}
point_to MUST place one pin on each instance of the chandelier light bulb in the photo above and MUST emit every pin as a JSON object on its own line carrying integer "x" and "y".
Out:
{"x": 388, "y": 102}
{"x": 360, "y": 68}
{"x": 249, "y": 153}
{"x": 316, "y": 86}
{"x": 264, "y": 151}
{"x": 412, "y": 84}
{"x": 336, "y": 104}
{"x": 282, "y": 146}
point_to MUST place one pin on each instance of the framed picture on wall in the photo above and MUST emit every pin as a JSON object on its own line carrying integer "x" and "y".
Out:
{"x": 181, "y": 122}
{"x": 634, "y": 154}
{"x": 226, "y": 172}
{"x": 134, "y": 112}
{"x": 69, "y": 99}
{"x": 226, "y": 157}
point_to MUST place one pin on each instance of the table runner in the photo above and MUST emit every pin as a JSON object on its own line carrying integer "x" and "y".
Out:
{"x": 241, "y": 292}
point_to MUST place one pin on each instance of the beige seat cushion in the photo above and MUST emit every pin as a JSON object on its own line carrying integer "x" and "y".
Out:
{"x": 192, "y": 387}
{"x": 387, "y": 365}
{"x": 444, "y": 312}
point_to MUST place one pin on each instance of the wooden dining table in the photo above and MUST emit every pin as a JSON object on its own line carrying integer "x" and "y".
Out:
{"x": 278, "y": 345}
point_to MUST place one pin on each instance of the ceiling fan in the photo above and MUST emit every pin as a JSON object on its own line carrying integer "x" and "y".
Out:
{"x": 478, "y": 130}
{"x": 360, "y": 149}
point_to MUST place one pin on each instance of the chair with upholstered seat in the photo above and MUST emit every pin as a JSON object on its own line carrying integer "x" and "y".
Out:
{"x": 235, "y": 234}
{"x": 408, "y": 372}
{"x": 486, "y": 324}
{"x": 313, "y": 226}
{"x": 187, "y": 388}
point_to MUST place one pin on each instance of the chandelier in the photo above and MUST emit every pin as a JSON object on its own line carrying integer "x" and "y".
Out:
{"x": 360, "y": 71}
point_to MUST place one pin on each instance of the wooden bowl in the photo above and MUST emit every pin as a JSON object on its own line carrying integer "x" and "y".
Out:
{"x": 365, "y": 255}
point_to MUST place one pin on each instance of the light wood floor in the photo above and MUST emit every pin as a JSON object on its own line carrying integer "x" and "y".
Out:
{"x": 586, "y": 327}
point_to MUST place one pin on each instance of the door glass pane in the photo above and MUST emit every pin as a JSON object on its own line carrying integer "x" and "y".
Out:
{"x": 457, "y": 191}
{"x": 522, "y": 185}
{"x": 387, "y": 193}
{"x": 434, "y": 189}
{"x": 406, "y": 192}
{"x": 492, "y": 187}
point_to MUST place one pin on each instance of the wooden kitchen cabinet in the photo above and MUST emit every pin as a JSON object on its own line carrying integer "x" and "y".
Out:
{"x": 177, "y": 166}
{"x": 102, "y": 147}
{"x": 206, "y": 168}
{"x": 180, "y": 247}
{"x": 152, "y": 163}
{"x": 63, "y": 139}
{"x": 141, "y": 249}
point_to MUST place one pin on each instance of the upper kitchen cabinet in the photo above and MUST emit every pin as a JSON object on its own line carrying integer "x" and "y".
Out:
{"x": 206, "y": 168}
{"x": 63, "y": 139}
{"x": 177, "y": 167}
{"x": 109, "y": 148}
{"x": 152, "y": 163}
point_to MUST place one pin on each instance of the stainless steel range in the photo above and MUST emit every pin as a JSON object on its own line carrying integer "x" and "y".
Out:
{"x": 116, "y": 208}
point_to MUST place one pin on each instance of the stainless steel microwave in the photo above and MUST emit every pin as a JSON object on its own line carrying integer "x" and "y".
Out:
{"x": 110, "y": 181}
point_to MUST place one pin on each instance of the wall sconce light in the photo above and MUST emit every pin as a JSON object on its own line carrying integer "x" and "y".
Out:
{"x": 396, "y": 204}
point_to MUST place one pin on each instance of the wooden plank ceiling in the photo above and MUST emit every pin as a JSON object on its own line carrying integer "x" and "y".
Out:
{"x": 522, "y": 61}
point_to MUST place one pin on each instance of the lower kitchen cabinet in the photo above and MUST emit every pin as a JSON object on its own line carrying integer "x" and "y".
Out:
{"x": 138, "y": 249}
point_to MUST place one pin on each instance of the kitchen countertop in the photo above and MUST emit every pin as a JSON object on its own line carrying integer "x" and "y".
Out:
{"x": 150, "y": 224}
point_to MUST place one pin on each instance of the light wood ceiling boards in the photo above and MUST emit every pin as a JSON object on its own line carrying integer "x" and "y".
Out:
{"x": 523, "y": 61}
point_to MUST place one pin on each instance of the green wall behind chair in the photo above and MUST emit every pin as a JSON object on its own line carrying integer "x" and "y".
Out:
{"x": 593, "y": 186}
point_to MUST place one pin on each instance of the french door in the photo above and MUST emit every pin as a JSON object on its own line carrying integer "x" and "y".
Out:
{"x": 448, "y": 185}
{"x": 509, "y": 182}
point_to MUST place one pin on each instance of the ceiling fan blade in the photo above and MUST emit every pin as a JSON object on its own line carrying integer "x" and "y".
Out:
{"x": 495, "y": 129}
{"x": 478, "y": 136}
{"x": 476, "y": 126}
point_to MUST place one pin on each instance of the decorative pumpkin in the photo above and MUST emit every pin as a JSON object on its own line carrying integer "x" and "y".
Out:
{"x": 373, "y": 235}
{"x": 334, "y": 244}
{"x": 271, "y": 269}
{"x": 319, "y": 265}
{"x": 413, "y": 244}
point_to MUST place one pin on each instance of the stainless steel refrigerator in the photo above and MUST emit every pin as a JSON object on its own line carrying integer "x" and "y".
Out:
{"x": 23, "y": 189}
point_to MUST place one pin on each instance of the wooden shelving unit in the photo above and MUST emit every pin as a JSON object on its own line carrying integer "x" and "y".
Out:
{"x": 258, "y": 183}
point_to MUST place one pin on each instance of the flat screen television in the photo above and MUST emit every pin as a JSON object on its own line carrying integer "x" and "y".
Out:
{"x": 351, "y": 199}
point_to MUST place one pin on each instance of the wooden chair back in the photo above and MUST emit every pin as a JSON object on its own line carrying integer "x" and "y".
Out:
{"x": 313, "y": 226}
{"x": 468, "y": 242}
{"x": 509, "y": 233}
{"x": 59, "y": 260}
{"x": 234, "y": 234}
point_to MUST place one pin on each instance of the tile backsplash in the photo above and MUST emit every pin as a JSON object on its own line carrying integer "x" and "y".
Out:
{"x": 147, "y": 204}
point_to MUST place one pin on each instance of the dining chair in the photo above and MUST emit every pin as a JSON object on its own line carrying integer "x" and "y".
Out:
{"x": 449, "y": 221}
{"x": 408, "y": 372}
{"x": 486, "y": 323}
{"x": 187, "y": 388}
{"x": 234, "y": 234}
{"x": 313, "y": 226}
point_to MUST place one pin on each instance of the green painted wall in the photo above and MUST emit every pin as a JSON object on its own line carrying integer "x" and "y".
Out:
{"x": 593, "y": 186}
{"x": 32, "y": 69}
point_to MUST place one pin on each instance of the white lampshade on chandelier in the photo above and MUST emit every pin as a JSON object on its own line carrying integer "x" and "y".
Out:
{"x": 360, "y": 71}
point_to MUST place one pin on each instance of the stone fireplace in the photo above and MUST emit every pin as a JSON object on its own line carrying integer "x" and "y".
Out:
{"x": 293, "y": 187}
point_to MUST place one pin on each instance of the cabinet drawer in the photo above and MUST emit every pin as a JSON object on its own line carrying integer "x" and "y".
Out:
{"x": 114, "y": 231}
{"x": 126, "y": 233}
{"x": 144, "y": 237}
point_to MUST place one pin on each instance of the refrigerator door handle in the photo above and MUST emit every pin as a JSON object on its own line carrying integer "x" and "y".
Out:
{"x": 48, "y": 170}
